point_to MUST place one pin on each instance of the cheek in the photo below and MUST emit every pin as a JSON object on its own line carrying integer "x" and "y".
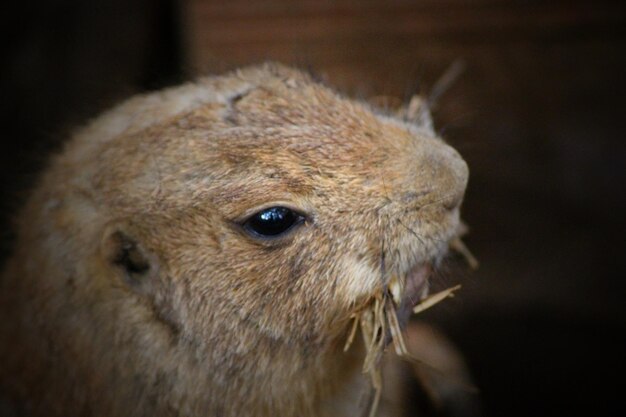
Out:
{"x": 356, "y": 280}
{"x": 265, "y": 289}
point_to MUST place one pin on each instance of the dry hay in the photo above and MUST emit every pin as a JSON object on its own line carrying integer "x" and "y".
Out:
{"x": 378, "y": 320}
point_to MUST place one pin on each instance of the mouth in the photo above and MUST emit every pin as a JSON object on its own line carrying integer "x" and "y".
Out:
{"x": 413, "y": 288}
{"x": 382, "y": 320}
{"x": 408, "y": 292}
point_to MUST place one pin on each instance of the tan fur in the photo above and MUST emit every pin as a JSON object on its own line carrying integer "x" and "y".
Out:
{"x": 222, "y": 324}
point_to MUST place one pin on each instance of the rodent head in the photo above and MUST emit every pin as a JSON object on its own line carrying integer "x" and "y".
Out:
{"x": 170, "y": 184}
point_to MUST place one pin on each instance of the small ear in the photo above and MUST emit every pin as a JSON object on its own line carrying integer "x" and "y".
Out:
{"x": 127, "y": 255}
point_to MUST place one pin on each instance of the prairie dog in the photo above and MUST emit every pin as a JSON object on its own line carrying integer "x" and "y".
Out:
{"x": 199, "y": 251}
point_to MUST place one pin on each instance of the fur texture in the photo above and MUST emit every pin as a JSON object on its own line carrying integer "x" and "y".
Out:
{"x": 211, "y": 321}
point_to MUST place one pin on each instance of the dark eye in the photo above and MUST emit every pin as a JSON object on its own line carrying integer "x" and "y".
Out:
{"x": 272, "y": 222}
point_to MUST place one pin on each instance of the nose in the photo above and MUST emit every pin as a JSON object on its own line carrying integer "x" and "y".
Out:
{"x": 443, "y": 173}
{"x": 457, "y": 173}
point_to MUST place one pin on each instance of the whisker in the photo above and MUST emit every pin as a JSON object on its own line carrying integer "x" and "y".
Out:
{"x": 446, "y": 81}
{"x": 420, "y": 238}
{"x": 437, "y": 201}
{"x": 413, "y": 232}
{"x": 383, "y": 267}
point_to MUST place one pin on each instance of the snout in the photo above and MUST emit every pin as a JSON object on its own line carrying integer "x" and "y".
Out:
{"x": 437, "y": 177}
{"x": 455, "y": 174}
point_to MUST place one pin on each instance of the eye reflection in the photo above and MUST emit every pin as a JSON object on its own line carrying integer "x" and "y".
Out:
{"x": 272, "y": 222}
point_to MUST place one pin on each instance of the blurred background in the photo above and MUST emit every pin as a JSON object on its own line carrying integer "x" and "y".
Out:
{"x": 538, "y": 114}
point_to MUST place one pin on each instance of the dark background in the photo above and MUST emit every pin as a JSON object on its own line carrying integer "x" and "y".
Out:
{"x": 539, "y": 115}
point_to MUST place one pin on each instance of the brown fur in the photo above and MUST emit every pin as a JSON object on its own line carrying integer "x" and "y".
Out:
{"x": 220, "y": 324}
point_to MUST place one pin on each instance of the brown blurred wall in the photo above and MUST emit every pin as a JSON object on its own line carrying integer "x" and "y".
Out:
{"x": 537, "y": 113}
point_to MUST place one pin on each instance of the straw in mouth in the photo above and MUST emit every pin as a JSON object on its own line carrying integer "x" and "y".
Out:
{"x": 384, "y": 317}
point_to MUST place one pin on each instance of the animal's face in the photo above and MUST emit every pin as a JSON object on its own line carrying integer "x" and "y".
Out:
{"x": 203, "y": 247}
{"x": 359, "y": 198}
